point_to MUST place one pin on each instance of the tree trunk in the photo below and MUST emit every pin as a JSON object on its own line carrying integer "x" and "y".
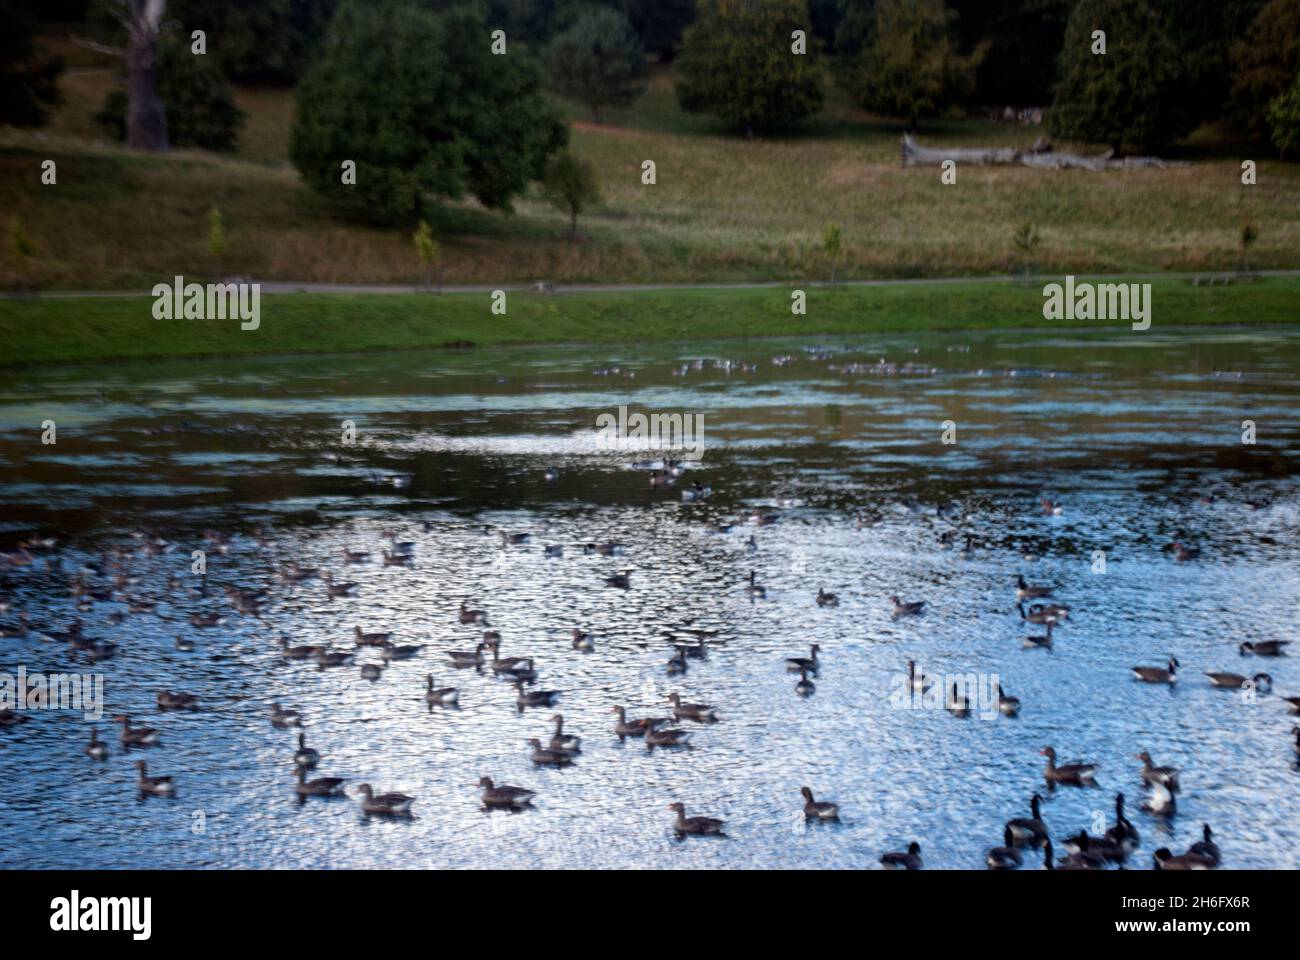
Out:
{"x": 573, "y": 225}
{"x": 915, "y": 155}
{"x": 146, "y": 120}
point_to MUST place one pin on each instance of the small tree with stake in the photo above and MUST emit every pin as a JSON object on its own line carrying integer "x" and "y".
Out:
{"x": 1025, "y": 239}
{"x": 832, "y": 243}
{"x": 426, "y": 249}
{"x": 216, "y": 236}
{"x": 570, "y": 184}
{"x": 1248, "y": 236}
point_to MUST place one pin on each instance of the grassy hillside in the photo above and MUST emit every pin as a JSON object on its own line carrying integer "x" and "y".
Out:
{"x": 123, "y": 327}
{"x": 724, "y": 208}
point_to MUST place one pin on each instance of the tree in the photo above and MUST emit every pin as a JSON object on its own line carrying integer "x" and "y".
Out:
{"x": 1284, "y": 117}
{"x": 1204, "y": 31}
{"x": 420, "y": 104}
{"x": 1025, "y": 240}
{"x": 1248, "y": 236}
{"x": 832, "y": 243}
{"x": 29, "y": 81}
{"x": 198, "y": 102}
{"x": 737, "y": 63}
{"x": 426, "y": 249}
{"x": 598, "y": 61}
{"x": 570, "y": 184}
{"x": 258, "y": 41}
{"x": 660, "y": 23}
{"x": 1023, "y": 39}
{"x": 141, "y": 21}
{"x": 1265, "y": 63}
{"x": 1127, "y": 96}
{"x": 216, "y": 235}
{"x": 908, "y": 65}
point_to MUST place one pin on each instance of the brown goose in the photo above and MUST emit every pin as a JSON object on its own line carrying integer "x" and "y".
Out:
{"x": 472, "y": 616}
{"x": 805, "y": 687}
{"x": 467, "y": 658}
{"x": 97, "y": 749}
{"x": 319, "y": 786}
{"x": 136, "y": 736}
{"x": 1041, "y": 617}
{"x": 1045, "y": 641}
{"x": 176, "y": 701}
{"x": 342, "y": 589}
{"x": 384, "y": 804}
{"x": 1025, "y": 591}
{"x": 632, "y": 728}
{"x": 825, "y": 599}
{"x": 326, "y": 657}
{"x": 1165, "y": 860}
{"x": 911, "y": 860}
{"x": 370, "y": 639}
{"x": 1158, "y": 674}
{"x": 794, "y": 664}
{"x": 502, "y": 664}
{"x": 305, "y": 756}
{"x": 155, "y": 786}
{"x": 1123, "y": 833}
{"x": 1032, "y": 831}
{"x": 1265, "y": 648}
{"x": 818, "y": 809}
{"x": 534, "y": 698}
{"x": 1183, "y": 553}
{"x": 1005, "y": 857}
{"x": 282, "y": 718}
{"x": 958, "y": 704}
{"x": 394, "y": 651}
{"x": 511, "y": 798}
{"x": 699, "y": 712}
{"x": 698, "y": 826}
{"x": 564, "y": 741}
{"x": 1161, "y": 803}
{"x": 583, "y": 641}
{"x": 301, "y": 652}
{"x": 440, "y": 695}
{"x": 546, "y": 757}
{"x": 1071, "y": 774}
{"x": 668, "y": 737}
{"x": 1235, "y": 681}
{"x": 1166, "y": 776}
{"x": 910, "y": 609}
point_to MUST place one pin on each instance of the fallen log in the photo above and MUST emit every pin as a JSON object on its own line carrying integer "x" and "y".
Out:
{"x": 1041, "y": 157}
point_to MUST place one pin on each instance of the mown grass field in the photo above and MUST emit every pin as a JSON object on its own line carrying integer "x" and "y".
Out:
{"x": 724, "y": 208}
{"x": 44, "y": 330}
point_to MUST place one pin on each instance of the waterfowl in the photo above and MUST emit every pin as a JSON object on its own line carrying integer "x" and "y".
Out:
{"x": 305, "y": 756}
{"x": 136, "y": 736}
{"x": 916, "y": 682}
{"x": 911, "y": 860}
{"x": 1071, "y": 774}
{"x": 1235, "y": 681}
{"x": 1008, "y": 706}
{"x": 582, "y": 641}
{"x": 958, "y": 704}
{"x": 393, "y": 651}
{"x": 1184, "y": 553}
{"x": 818, "y": 809}
{"x": 183, "y": 645}
{"x": 176, "y": 701}
{"x": 97, "y": 749}
{"x": 440, "y": 695}
{"x": 606, "y": 549}
{"x": 1044, "y": 641}
{"x": 554, "y": 550}
{"x": 508, "y": 665}
{"x": 1161, "y": 802}
{"x": 564, "y": 741}
{"x": 1041, "y": 617}
{"x": 515, "y": 539}
{"x": 968, "y": 550}
{"x": 550, "y": 475}
{"x": 546, "y": 757}
{"x": 1165, "y": 860}
{"x": 1293, "y": 703}
{"x": 467, "y": 658}
{"x": 1166, "y": 776}
{"x": 156, "y": 786}
{"x": 282, "y": 718}
{"x": 534, "y": 698}
{"x": 1206, "y": 847}
{"x": 699, "y": 712}
{"x": 697, "y": 492}
{"x": 1295, "y": 745}
{"x": 472, "y": 616}
{"x": 1055, "y": 612}
{"x": 902, "y": 609}
{"x": 622, "y": 581}
{"x": 356, "y": 556}
{"x": 751, "y": 545}
{"x": 333, "y": 589}
{"x": 699, "y": 826}
{"x": 632, "y": 728}
{"x": 804, "y": 663}
{"x": 1005, "y": 857}
{"x": 825, "y": 599}
{"x": 372, "y": 671}
{"x": 384, "y": 804}
{"x": 695, "y": 651}
{"x": 804, "y": 687}
{"x": 370, "y": 639}
{"x": 1123, "y": 833}
{"x": 1096, "y": 851}
{"x": 326, "y": 657}
{"x": 668, "y": 737}
{"x": 512, "y": 798}
{"x": 1167, "y": 675}
{"x": 1026, "y": 592}
{"x": 319, "y": 786}
{"x": 1053, "y": 508}
{"x": 300, "y": 652}
{"x": 1265, "y": 648}
{"x": 206, "y": 620}
{"x": 1083, "y": 856}
{"x": 398, "y": 559}
{"x": 754, "y": 590}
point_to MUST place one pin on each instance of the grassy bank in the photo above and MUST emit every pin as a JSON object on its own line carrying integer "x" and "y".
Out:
{"x": 107, "y": 328}
{"x": 724, "y": 208}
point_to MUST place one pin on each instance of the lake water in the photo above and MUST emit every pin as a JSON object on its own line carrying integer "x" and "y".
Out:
{"x": 1139, "y": 436}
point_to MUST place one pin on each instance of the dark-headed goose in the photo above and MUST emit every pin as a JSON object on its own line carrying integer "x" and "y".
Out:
{"x": 1265, "y": 648}
{"x": 384, "y": 804}
{"x": 305, "y": 756}
{"x": 472, "y": 616}
{"x": 467, "y": 658}
{"x": 804, "y": 687}
{"x": 668, "y": 737}
{"x": 1167, "y": 776}
{"x": 1008, "y": 706}
{"x": 393, "y": 651}
{"x": 699, "y": 826}
{"x": 818, "y": 809}
{"x": 97, "y": 749}
{"x": 534, "y": 698}
{"x": 155, "y": 786}
{"x": 1123, "y": 833}
{"x": 622, "y": 581}
{"x": 583, "y": 641}
{"x": 370, "y": 639}
{"x": 1165, "y": 860}
{"x": 136, "y": 736}
{"x": 1071, "y": 774}
{"x": 793, "y": 664}
{"x": 910, "y": 609}
{"x": 1025, "y": 591}
{"x": 546, "y": 757}
{"x": 911, "y": 860}
{"x": 825, "y": 599}
{"x": 917, "y": 682}
{"x": 1161, "y": 802}
{"x": 958, "y": 704}
{"x": 282, "y": 718}
{"x": 1045, "y": 641}
{"x": 167, "y": 700}
{"x": 439, "y": 696}
{"x": 754, "y": 590}
{"x": 1005, "y": 857}
{"x": 1183, "y": 553}
{"x": 699, "y": 712}
{"x": 1206, "y": 847}
{"x": 1032, "y": 831}
{"x": 1168, "y": 674}
{"x": 564, "y": 741}
{"x": 1235, "y": 681}
{"x": 318, "y": 786}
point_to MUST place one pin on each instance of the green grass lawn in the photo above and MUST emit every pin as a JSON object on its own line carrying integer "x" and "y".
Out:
{"x": 724, "y": 207}
{"x": 102, "y": 328}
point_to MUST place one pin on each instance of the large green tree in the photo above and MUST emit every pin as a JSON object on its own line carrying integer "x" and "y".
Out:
{"x": 262, "y": 41}
{"x": 598, "y": 61}
{"x": 1023, "y": 38}
{"x": 1204, "y": 32}
{"x": 421, "y": 105}
{"x": 1128, "y": 96}
{"x": 1265, "y": 63}
{"x": 737, "y": 62}
{"x": 660, "y": 23}
{"x": 29, "y": 80}
{"x": 908, "y": 64}
{"x": 197, "y": 99}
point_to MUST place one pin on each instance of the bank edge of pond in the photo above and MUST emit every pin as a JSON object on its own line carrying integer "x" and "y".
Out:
{"x": 47, "y": 331}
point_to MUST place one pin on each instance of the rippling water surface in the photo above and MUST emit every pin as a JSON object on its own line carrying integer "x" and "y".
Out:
{"x": 1138, "y": 436}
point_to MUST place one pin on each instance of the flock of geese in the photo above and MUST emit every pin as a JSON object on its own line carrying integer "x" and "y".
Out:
{"x": 111, "y": 579}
